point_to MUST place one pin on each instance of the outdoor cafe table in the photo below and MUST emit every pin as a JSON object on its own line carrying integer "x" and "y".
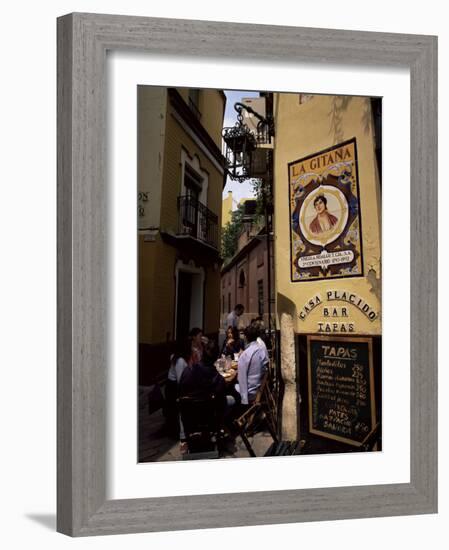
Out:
{"x": 229, "y": 375}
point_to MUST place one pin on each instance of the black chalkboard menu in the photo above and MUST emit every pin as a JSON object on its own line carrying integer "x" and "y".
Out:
{"x": 341, "y": 388}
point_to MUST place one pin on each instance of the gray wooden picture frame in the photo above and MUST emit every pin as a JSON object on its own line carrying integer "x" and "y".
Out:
{"x": 83, "y": 40}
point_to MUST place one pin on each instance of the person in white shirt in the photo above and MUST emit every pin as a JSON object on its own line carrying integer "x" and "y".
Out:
{"x": 263, "y": 347}
{"x": 252, "y": 366}
{"x": 233, "y": 318}
{"x": 258, "y": 323}
{"x": 178, "y": 363}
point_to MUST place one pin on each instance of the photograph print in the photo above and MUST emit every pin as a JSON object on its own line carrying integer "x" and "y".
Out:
{"x": 259, "y": 274}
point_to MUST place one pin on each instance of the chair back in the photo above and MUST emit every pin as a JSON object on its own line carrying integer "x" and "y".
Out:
{"x": 262, "y": 388}
{"x": 261, "y": 408}
{"x": 199, "y": 416}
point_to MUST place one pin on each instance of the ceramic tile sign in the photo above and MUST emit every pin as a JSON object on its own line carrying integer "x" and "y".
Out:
{"x": 341, "y": 388}
{"x": 325, "y": 224}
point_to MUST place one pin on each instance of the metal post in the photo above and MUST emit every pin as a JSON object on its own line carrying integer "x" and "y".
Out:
{"x": 268, "y": 231}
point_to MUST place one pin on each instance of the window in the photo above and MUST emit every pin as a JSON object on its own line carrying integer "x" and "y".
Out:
{"x": 193, "y": 182}
{"x": 192, "y": 185}
{"x": 194, "y": 101}
{"x": 260, "y": 296}
{"x": 242, "y": 279}
{"x": 229, "y": 302}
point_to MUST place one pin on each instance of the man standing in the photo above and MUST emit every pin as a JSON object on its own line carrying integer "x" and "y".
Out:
{"x": 233, "y": 317}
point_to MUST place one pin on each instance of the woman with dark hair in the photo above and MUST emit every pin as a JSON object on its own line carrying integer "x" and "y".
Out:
{"x": 233, "y": 344}
{"x": 202, "y": 383}
{"x": 324, "y": 220}
{"x": 201, "y": 378}
{"x": 196, "y": 338}
{"x": 179, "y": 359}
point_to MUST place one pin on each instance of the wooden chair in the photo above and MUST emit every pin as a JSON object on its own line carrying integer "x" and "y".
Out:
{"x": 200, "y": 421}
{"x": 262, "y": 408}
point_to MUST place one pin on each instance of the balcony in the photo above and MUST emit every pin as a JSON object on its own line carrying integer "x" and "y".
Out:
{"x": 195, "y": 220}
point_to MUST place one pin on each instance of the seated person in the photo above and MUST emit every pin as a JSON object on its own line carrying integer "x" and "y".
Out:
{"x": 259, "y": 324}
{"x": 178, "y": 362}
{"x": 233, "y": 343}
{"x": 200, "y": 379}
{"x": 252, "y": 366}
{"x": 196, "y": 338}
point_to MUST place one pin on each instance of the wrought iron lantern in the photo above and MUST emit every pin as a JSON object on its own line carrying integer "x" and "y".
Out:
{"x": 242, "y": 159}
{"x": 240, "y": 146}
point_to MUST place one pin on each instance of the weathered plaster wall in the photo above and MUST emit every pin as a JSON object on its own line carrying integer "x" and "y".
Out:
{"x": 303, "y": 129}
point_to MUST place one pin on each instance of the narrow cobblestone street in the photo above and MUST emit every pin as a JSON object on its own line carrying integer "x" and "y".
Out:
{"x": 155, "y": 444}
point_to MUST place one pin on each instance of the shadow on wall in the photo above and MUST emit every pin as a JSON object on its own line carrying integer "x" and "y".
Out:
{"x": 339, "y": 106}
{"x": 367, "y": 116}
{"x": 288, "y": 404}
{"x": 285, "y": 305}
{"x": 375, "y": 282}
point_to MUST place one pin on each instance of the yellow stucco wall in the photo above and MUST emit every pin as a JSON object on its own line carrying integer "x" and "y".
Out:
{"x": 302, "y": 130}
{"x": 211, "y": 106}
{"x": 175, "y": 141}
{"x": 226, "y": 209}
{"x": 156, "y": 291}
{"x": 152, "y": 107}
{"x": 157, "y": 259}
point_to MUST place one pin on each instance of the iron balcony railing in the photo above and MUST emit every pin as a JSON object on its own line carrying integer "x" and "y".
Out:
{"x": 196, "y": 220}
